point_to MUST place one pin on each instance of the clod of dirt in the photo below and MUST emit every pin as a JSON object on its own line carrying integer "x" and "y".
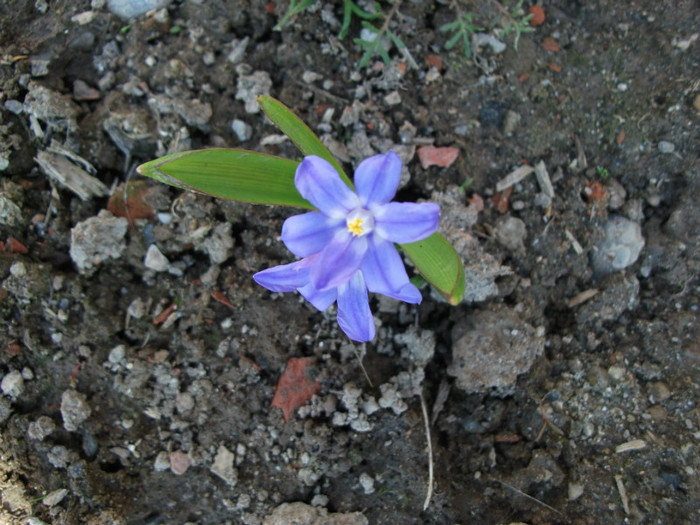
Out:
{"x": 74, "y": 409}
{"x": 619, "y": 248}
{"x": 511, "y": 233}
{"x": 13, "y": 384}
{"x": 96, "y": 240}
{"x": 490, "y": 349}
{"x": 299, "y": 512}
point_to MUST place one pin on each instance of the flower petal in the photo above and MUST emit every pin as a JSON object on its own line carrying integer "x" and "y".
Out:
{"x": 408, "y": 294}
{"x": 354, "y": 315}
{"x": 321, "y": 185}
{"x": 283, "y": 278}
{"x": 404, "y": 222}
{"x": 338, "y": 261}
{"x": 377, "y": 178}
{"x": 308, "y": 233}
{"x": 384, "y": 272}
{"x": 320, "y": 299}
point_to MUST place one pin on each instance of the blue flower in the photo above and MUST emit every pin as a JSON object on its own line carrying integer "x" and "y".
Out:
{"x": 347, "y": 246}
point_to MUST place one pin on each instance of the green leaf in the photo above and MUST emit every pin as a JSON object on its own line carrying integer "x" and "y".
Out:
{"x": 234, "y": 174}
{"x": 298, "y": 132}
{"x": 440, "y": 265}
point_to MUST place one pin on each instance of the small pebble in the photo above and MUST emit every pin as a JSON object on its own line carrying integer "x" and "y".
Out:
{"x": 666, "y": 147}
{"x": 659, "y": 392}
{"x": 55, "y": 497}
{"x": 74, "y": 409}
{"x": 242, "y": 129}
{"x": 367, "y": 483}
{"x": 13, "y": 384}
{"x": 155, "y": 260}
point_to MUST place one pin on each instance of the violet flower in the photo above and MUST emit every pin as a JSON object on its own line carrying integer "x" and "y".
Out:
{"x": 347, "y": 246}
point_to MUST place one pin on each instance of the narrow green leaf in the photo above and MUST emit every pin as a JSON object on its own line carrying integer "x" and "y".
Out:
{"x": 298, "y": 132}
{"x": 440, "y": 265}
{"x": 234, "y": 174}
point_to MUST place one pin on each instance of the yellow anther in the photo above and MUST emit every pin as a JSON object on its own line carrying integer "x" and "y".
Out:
{"x": 355, "y": 227}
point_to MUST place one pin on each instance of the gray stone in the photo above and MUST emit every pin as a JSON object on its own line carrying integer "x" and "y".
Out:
{"x": 511, "y": 233}
{"x": 155, "y": 260}
{"x": 54, "y": 498}
{"x": 41, "y": 428}
{"x": 223, "y": 466}
{"x": 305, "y": 514}
{"x": 620, "y": 246}
{"x": 126, "y": 9}
{"x": 490, "y": 349}
{"x": 74, "y": 409}
{"x": 97, "y": 239}
{"x": 250, "y": 86}
{"x": 13, "y": 384}
{"x": 242, "y": 129}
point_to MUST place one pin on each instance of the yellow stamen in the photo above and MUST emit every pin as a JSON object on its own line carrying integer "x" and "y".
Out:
{"x": 355, "y": 227}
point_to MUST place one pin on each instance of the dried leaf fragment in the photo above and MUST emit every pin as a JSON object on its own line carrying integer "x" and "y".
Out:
{"x": 295, "y": 387}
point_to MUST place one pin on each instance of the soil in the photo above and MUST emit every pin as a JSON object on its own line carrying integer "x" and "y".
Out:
{"x": 564, "y": 389}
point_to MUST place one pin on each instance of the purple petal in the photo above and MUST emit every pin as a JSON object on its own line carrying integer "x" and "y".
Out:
{"x": 377, "y": 178}
{"x": 320, "y": 299}
{"x": 320, "y": 184}
{"x": 404, "y": 222}
{"x": 408, "y": 294}
{"x": 308, "y": 233}
{"x": 338, "y": 261}
{"x": 354, "y": 315}
{"x": 384, "y": 272}
{"x": 284, "y": 278}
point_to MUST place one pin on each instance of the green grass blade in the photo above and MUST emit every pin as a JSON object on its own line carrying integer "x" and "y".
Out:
{"x": 233, "y": 174}
{"x": 298, "y": 132}
{"x": 440, "y": 265}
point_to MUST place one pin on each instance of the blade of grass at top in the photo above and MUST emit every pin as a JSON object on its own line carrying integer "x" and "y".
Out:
{"x": 440, "y": 265}
{"x": 299, "y": 133}
{"x": 233, "y": 174}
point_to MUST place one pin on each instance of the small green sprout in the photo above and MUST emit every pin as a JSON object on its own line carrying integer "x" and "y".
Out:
{"x": 602, "y": 172}
{"x": 463, "y": 28}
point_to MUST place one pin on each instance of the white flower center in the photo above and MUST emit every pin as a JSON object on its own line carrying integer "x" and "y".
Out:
{"x": 359, "y": 222}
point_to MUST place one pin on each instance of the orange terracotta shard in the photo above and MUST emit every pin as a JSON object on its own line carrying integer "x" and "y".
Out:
{"x": 295, "y": 387}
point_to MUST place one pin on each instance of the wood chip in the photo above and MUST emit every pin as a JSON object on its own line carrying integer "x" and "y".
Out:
{"x": 635, "y": 444}
{"x": 514, "y": 177}
{"x": 582, "y": 297}
{"x": 59, "y": 168}
{"x": 543, "y": 179}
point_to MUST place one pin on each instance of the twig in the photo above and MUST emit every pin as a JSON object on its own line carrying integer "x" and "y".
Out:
{"x": 324, "y": 93}
{"x": 359, "y": 359}
{"x": 528, "y": 496}
{"x": 429, "y": 494}
{"x": 623, "y": 494}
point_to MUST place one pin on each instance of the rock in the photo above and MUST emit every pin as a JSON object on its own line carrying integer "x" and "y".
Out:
{"x": 10, "y": 212}
{"x": 303, "y": 514}
{"x": 81, "y": 91}
{"x": 194, "y": 112}
{"x": 97, "y": 239}
{"x": 54, "y": 498}
{"x": 619, "y": 248}
{"x": 250, "y": 86}
{"x": 41, "y": 428}
{"x": 367, "y": 483}
{"x": 219, "y": 244}
{"x": 13, "y": 384}
{"x": 48, "y": 105}
{"x": 155, "y": 260}
{"x": 658, "y": 393}
{"x": 74, "y": 409}
{"x": 223, "y": 466}
{"x": 490, "y": 349}
{"x": 511, "y": 232}
{"x": 242, "y": 129}
{"x": 666, "y": 146}
{"x": 179, "y": 462}
{"x": 541, "y": 472}
{"x": 126, "y": 9}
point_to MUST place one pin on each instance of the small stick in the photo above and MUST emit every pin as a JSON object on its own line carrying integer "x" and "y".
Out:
{"x": 429, "y": 494}
{"x": 359, "y": 359}
{"x": 623, "y": 493}
{"x": 528, "y": 496}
